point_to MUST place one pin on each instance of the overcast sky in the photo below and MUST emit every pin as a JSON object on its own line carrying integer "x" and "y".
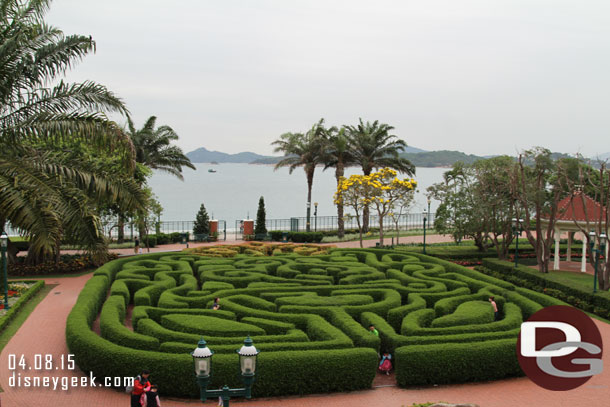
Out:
{"x": 483, "y": 77}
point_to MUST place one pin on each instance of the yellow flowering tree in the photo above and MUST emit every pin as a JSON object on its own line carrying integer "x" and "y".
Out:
{"x": 379, "y": 190}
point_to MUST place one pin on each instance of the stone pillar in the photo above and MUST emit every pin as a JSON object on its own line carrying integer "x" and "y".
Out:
{"x": 213, "y": 226}
{"x": 583, "y": 261}
{"x": 248, "y": 227}
{"x": 556, "y": 255}
{"x": 569, "y": 252}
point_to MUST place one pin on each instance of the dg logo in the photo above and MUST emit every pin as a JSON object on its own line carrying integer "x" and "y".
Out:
{"x": 560, "y": 348}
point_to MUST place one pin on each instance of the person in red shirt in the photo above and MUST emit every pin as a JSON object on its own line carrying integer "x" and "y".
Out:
{"x": 140, "y": 385}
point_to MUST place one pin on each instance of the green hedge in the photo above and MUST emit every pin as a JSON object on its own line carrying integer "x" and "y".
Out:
{"x": 527, "y": 277}
{"x": 456, "y": 362}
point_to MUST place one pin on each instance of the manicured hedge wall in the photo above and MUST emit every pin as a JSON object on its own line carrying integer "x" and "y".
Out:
{"x": 456, "y": 362}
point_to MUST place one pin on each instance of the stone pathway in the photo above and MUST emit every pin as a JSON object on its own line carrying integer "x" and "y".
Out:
{"x": 44, "y": 334}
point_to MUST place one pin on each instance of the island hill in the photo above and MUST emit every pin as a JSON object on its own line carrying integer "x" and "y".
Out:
{"x": 419, "y": 157}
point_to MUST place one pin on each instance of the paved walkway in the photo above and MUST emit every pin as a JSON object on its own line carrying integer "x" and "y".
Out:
{"x": 44, "y": 334}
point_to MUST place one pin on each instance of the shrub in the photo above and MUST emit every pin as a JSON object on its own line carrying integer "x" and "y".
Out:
{"x": 456, "y": 362}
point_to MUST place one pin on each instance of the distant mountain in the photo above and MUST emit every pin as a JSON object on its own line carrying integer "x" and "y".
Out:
{"x": 441, "y": 158}
{"x": 604, "y": 156}
{"x": 414, "y": 150}
{"x": 419, "y": 157}
{"x": 203, "y": 155}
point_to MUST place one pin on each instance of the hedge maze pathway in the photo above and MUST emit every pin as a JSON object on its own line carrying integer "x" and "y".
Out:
{"x": 307, "y": 314}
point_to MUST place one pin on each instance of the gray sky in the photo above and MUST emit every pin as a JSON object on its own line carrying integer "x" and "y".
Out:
{"x": 483, "y": 77}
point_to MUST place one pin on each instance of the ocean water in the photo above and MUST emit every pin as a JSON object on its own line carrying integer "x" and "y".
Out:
{"x": 233, "y": 191}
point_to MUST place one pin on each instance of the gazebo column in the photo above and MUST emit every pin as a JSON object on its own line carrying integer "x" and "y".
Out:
{"x": 556, "y": 256}
{"x": 583, "y": 260}
{"x": 569, "y": 252}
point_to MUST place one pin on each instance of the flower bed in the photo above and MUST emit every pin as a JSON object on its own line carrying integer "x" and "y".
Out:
{"x": 68, "y": 264}
{"x": 19, "y": 293}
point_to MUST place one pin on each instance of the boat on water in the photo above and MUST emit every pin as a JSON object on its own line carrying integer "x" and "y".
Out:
{"x": 211, "y": 170}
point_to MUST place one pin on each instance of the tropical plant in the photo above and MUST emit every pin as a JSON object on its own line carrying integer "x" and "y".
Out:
{"x": 302, "y": 150}
{"x": 261, "y": 228}
{"x": 337, "y": 155}
{"x": 153, "y": 151}
{"x": 44, "y": 191}
{"x": 372, "y": 146}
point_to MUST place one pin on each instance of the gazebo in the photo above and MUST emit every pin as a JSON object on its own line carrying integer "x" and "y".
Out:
{"x": 575, "y": 213}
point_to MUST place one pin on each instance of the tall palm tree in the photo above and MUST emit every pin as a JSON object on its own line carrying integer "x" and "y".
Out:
{"x": 153, "y": 149}
{"x": 337, "y": 155}
{"x": 44, "y": 192}
{"x": 372, "y": 146}
{"x": 302, "y": 150}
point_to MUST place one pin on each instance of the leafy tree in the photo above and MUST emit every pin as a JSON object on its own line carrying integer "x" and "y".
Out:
{"x": 337, "y": 155}
{"x": 44, "y": 191}
{"x": 302, "y": 150}
{"x": 380, "y": 189}
{"x": 400, "y": 207}
{"x": 538, "y": 192}
{"x": 477, "y": 202}
{"x": 202, "y": 222}
{"x": 372, "y": 146}
{"x": 261, "y": 228}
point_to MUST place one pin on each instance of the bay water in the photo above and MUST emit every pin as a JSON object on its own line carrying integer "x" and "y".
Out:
{"x": 232, "y": 192}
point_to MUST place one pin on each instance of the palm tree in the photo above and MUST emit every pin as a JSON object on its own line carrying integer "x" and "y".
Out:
{"x": 302, "y": 150}
{"x": 372, "y": 146}
{"x": 337, "y": 155}
{"x": 44, "y": 192}
{"x": 154, "y": 149}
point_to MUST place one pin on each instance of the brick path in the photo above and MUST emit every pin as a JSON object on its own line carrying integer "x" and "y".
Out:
{"x": 44, "y": 333}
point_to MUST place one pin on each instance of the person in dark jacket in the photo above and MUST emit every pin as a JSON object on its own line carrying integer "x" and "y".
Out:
{"x": 141, "y": 385}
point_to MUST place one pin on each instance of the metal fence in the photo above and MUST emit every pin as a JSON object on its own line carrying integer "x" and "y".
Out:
{"x": 407, "y": 221}
{"x": 180, "y": 226}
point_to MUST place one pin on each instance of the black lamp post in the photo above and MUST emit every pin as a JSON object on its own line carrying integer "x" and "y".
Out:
{"x": 315, "y": 216}
{"x": 425, "y": 219}
{"x": 598, "y": 247}
{"x": 202, "y": 359}
{"x": 517, "y": 233}
{"x": 4, "y": 247}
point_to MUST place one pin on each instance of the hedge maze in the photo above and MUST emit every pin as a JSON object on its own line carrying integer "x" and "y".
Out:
{"x": 307, "y": 314}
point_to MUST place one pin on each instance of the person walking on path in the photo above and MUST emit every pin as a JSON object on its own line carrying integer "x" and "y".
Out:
{"x": 373, "y": 330}
{"x": 136, "y": 247}
{"x": 495, "y": 308}
{"x": 140, "y": 386}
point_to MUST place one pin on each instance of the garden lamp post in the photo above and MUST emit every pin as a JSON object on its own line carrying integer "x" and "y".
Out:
{"x": 3, "y": 247}
{"x": 598, "y": 246}
{"x": 315, "y": 216}
{"x": 425, "y": 219}
{"x": 202, "y": 360}
{"x": 517, "y": 233}
{"x": 308, "y": 223}
{"x": 429, "y": 201}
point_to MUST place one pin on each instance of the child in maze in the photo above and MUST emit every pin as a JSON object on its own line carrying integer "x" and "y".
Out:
{"x": 385, "y": 365}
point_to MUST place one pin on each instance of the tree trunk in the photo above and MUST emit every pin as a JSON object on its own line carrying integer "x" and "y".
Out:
{"x": 121, "y": 228}
{"x": 309, "y": 187}
{"x": 339, "y": 171}
{"x": 397, "y": 230}
{"x": 380, "y": 230}
{"x": 365, "y": 211}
